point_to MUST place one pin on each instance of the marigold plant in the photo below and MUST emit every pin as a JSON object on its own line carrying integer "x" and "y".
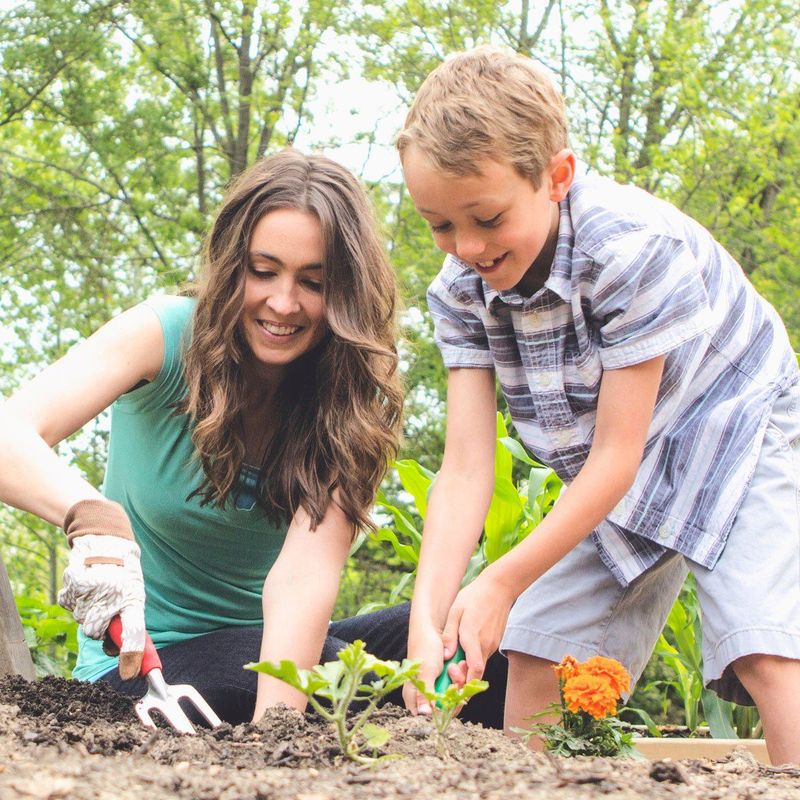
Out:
{"x": 610, "y": 670}
{"x": 591, "y": 694}
{"x": 590, "y": 691}
{"x": 567, "y": 668}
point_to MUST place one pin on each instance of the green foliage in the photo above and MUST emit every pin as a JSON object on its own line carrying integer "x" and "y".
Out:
{"x": 516, "y": 508}
{"x": 653, "y": 699}
{"x": 445, "y": 704}
{"x": 581, "y": 735}
{"x": 51, "y": 635}
{"x": 369, "y": 577}
{"x": 355, "y": 678}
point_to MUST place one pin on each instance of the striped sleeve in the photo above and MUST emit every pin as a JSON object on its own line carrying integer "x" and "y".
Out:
{"x": 649, "y": 298}
{"x": 459, "y": 332}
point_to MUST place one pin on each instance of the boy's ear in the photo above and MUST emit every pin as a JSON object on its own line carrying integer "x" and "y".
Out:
{"x": 561, "y": 171}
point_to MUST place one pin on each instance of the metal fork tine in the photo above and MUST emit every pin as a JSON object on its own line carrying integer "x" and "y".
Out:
{"x": 144, "y": 716}
{"x": 194, "y": 697}
{"x": 173, "y": 713}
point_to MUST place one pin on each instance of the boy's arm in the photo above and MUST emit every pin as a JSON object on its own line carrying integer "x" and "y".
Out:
{"x": 456, "y": 512}
{"x": 627, "y": 398}
{"x": 298, "y": 599}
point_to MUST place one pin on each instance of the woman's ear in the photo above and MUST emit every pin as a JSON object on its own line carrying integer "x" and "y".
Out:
{"x": 561, "y": 172}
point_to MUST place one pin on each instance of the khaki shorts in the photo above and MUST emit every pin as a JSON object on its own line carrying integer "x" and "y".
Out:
{"x": 749, "y": 601}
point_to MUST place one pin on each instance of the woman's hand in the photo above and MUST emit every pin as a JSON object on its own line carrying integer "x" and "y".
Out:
{"x": 104, "y": 578}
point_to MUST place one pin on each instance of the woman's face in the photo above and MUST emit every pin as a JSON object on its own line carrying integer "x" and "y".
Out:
{"x": 283, "y": 315}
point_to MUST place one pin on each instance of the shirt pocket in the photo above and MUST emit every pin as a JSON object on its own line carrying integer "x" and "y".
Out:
{"x": 589, "y": 368}
{"x": 582, "y": 386}
{"x": 582, "y": 380}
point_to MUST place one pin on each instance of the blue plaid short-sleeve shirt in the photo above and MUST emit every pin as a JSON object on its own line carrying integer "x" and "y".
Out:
{"x": 633, "y": 278}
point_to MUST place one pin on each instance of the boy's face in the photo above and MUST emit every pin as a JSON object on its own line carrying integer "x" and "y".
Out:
{"x": 494, "y": 220}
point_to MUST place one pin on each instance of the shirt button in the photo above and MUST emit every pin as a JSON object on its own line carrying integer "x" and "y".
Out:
{"x": 665, "y": 531}
{"x": 544, "y": 380}
{"x": 563, "y": 437}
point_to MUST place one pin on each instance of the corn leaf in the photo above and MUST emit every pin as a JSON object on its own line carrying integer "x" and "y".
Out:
{"x": 718, "y": 714}
{"x": 416, "y": 481}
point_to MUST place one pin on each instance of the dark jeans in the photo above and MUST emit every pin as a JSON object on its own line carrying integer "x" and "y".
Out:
{"x": 212, "y": 663}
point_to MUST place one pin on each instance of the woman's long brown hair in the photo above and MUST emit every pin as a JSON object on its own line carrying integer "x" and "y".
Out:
{"x": 340, "y": 404}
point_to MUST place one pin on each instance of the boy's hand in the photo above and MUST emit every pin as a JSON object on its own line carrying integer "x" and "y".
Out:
{"x": 424, "y": 645}
{"x": 477, "y": 620}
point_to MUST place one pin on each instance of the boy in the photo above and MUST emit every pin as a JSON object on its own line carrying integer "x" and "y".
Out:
{"x": 638, "y": 362}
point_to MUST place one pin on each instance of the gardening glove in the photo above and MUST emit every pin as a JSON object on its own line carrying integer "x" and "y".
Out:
{"x": 104, "y": 578}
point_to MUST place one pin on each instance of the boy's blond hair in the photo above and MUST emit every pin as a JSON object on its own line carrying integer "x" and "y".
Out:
{"x": 487, "y": 103}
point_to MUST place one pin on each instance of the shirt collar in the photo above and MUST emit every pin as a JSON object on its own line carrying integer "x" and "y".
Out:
{"x": 558, "y": 281}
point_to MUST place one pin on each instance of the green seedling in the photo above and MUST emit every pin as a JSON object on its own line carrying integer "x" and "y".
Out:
{"x": 342, "y": 683}
{"x": 446, "y": 700}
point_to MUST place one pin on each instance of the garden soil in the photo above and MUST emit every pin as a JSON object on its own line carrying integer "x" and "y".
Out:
{"x": 62, "y": 739}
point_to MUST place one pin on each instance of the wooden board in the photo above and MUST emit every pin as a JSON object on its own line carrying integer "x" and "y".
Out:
{"x": 675, "y": 748}
{"x": 15, "y": 658}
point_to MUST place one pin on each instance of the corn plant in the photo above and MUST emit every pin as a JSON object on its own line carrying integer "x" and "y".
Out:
{"x": 356, "y": 677}
{"x": 515, "y": 510}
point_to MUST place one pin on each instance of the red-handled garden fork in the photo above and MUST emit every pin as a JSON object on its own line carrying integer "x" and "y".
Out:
{"x": 160, "y": 695}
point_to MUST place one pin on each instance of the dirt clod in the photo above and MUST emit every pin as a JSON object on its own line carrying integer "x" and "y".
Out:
{"x": 667, "y": 771}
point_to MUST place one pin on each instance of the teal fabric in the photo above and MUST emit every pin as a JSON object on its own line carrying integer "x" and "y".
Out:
{"x": 204, "y": 567}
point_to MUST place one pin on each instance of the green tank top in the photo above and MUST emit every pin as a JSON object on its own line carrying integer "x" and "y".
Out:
{"x": 204, "y": 567}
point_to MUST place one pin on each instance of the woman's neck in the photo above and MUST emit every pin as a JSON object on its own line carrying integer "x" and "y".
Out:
{"x": 259, "y": 417}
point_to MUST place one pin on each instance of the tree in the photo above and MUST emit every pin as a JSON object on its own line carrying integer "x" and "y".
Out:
{"x": 123, "y": 123}
{"x": 120, "y": 125}
{"x": 698, "y": 103}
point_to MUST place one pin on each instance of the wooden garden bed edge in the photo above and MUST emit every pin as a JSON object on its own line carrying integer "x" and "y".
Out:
{"x": 677, "y": 748}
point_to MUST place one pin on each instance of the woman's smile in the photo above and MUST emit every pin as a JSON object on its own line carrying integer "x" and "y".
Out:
{"x": 279, "y": 330}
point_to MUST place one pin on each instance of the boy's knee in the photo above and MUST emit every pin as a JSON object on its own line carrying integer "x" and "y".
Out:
{"x": 531, "y": 673}
{"x": 532, "y": 687}
{"x": 760, "y": 669}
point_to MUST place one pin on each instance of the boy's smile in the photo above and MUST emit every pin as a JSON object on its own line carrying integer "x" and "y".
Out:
{"x": 494, "y": 220}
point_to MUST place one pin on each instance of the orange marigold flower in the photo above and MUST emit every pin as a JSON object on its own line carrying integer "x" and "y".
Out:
{"x": 567, "y": 668}
{"x": 609, "y": 669}
{"x": 590, "y": 693}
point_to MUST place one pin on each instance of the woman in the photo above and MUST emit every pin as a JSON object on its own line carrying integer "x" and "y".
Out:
{"x": 251, "y": 425}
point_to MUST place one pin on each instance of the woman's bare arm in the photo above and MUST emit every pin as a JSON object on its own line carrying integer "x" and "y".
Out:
{"x": 63, "y": 398}
{"x": 299, "y": 595}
